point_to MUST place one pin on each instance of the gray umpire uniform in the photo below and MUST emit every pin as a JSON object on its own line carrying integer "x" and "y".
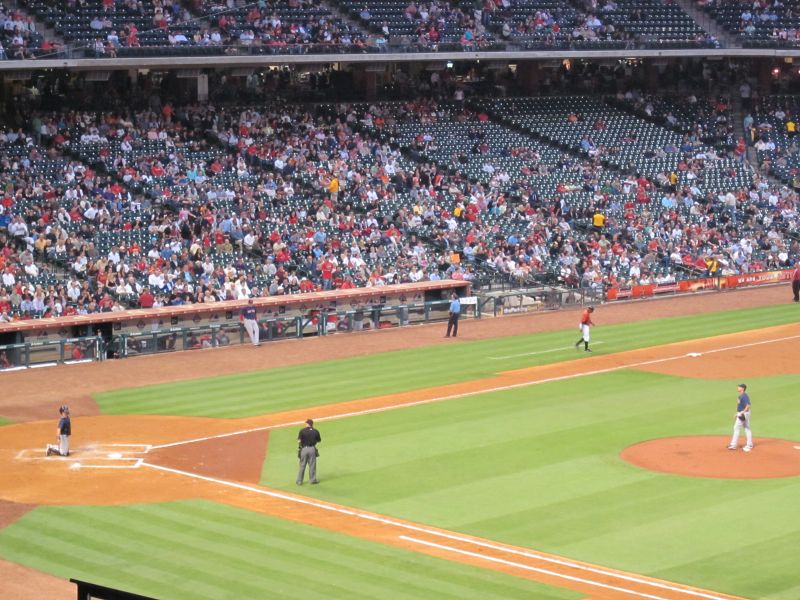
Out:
{"x": 308, "y": 438}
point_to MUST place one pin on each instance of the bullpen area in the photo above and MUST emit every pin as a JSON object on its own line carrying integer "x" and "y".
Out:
{"x": 503, "y": 464}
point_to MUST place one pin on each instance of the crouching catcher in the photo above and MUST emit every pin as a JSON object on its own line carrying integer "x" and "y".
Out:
{"x": 64, "y": 432}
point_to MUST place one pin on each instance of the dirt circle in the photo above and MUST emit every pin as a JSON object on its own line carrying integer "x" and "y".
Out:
{"x": 708, "y": 456}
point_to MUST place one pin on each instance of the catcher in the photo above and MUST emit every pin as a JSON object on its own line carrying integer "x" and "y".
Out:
{"x": 64, "y": 431}
{"x": 742, "y": 421}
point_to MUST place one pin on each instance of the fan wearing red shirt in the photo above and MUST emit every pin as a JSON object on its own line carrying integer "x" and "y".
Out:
{"x": 327, "y": 267}
{"x": 146, "y": 299}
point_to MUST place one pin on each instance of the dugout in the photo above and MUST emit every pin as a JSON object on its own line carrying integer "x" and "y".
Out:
{"x": 143, "y": 331}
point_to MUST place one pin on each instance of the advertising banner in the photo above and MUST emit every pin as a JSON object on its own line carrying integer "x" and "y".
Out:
{"x": 702, "y": 283}
{"x": 736, "y": 281}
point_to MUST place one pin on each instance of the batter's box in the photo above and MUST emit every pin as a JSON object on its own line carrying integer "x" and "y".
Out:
{"x": 95, "y": 456}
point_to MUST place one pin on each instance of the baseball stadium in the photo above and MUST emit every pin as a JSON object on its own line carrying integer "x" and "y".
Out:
{"x": 397, "y": 299}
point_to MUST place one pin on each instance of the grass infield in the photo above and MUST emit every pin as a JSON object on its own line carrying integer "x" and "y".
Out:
{"x": 539, "y": 468}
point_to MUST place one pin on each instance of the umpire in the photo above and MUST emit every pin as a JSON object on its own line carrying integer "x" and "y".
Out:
{"x": 307, "y": 441}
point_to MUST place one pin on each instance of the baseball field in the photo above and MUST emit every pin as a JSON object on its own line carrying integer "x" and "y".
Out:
{"x": 503, "y": 464}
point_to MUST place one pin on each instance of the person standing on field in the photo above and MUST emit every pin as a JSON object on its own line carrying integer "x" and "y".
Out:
{"x": 453, "y": 315}
{"x": 307, "y": 452}
{"x": 796, "y": 282}
{"x": 250, "y": 323}
{"x": 586, "y": 323}
{"x": 64, "y": 432}
{"x": 742, "y": 421}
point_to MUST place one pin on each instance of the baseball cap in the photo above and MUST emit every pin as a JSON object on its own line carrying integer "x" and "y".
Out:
{"x": 310, "y": 422}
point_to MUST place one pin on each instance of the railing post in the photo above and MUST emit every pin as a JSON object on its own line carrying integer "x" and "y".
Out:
{"x": 298, "y": 327}
{"x": 61, "y": 344}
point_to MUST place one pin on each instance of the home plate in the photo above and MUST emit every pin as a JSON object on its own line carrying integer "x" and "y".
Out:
{"x": 115, "y": 455}
{"x": 695, "y": 354}
{"x": 75, "y": 466}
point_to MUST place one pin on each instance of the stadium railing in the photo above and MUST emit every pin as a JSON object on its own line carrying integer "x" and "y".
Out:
{"x": 89, "y": 591}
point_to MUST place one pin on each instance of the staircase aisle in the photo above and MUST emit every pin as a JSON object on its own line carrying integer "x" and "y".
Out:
{"x": 709, "y": 25}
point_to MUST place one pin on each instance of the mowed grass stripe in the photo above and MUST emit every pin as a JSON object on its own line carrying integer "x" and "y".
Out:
{"x": 29, "y": 547}
{"x": 272, "y": 390}
{"x": 769, "y": 578}
{"x": 129, "y": 547}
{"x": 291, "y": 555}
{"x": 134, "y": 543}
{"x": 190, "y": 546}
{"x": 539, "y": 467}
{"x": 198, "y": 549}
{"x": 360, "y": 564}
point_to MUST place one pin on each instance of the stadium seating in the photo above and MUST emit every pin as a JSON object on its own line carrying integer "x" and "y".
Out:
{"x": 201, "y": 203}
{"x": 757, "y": 25}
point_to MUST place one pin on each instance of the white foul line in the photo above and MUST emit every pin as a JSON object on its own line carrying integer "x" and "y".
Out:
{"x": 407, "y": 526}
{"x": 537, "y": 352}
{"x": 501, "y": 388}
{"x": 517, "y": 565}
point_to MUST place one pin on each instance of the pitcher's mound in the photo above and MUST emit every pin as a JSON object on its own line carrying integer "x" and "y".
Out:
{"x": 708, "y": 456}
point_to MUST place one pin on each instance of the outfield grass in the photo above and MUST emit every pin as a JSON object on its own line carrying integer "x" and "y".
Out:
{"x": 538, "y": 467}
{"x": 198, "y": 550}
{"x": 272, "y": 390}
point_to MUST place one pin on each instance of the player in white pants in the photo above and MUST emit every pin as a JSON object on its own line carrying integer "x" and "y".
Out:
{"x": 250, "y": 323}
{"x": 251, "y": 327}
{"x": 742, "y": 421}
{"x": 585, "y": 326}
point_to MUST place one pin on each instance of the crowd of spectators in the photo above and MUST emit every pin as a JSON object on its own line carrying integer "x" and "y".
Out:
{"x": 173, "y": 204}
{"x": 18, "y": 36}
{"x": 776, "y": 21}
{"x": 280, "y": 24}
{"x": 111, "y": 28}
